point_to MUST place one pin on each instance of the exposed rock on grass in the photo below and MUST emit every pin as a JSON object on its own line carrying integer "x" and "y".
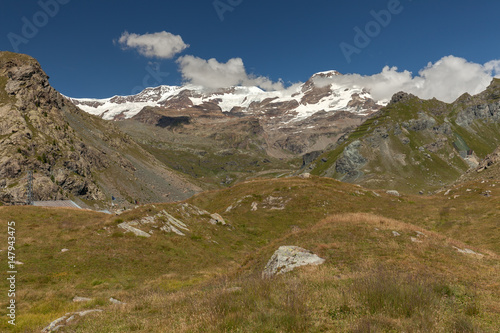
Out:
{"x": 66, "y": 319}
{"x": 275, "y": 203}
{"x": 286, "y": 258}
{"x": 189, "y": 210}
{"x": 81, "y": 299}
{"x": 468, "y": 251}
{"x": 115, "y": 301}
{"x": 128, "y": 226}
{"x": 394, "y": 193}
{"x": 217, "y": 219}
{"x": 171, "y": 224}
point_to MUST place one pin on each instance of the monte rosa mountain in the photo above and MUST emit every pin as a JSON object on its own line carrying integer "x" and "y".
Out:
{"x": 293, "y": 104}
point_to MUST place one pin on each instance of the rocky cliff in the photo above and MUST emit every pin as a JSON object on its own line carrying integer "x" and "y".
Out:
{"x": 72, "y": 154}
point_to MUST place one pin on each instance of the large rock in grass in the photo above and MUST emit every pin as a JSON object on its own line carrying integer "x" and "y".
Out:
{"x": 286, "y": 258}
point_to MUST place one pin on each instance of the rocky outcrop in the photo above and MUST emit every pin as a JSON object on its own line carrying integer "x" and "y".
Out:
{"x": 163, "y": 221}
{"x": 488, "y": 168}
{"x": 486, "y": 112}
{"x": 310, "y": 157}
{"x": 287, "y": 258}
{"x": 78, "y": 299}
{"x": 72, "y": 154}
{"x": 489, "y": 161}
{"x": 38, "y": 138}
{"x": 469, "y": 252}
{"x": 351, "y": 160}
{"x": 400, "y": 97}
{"x": 422, "y": 123}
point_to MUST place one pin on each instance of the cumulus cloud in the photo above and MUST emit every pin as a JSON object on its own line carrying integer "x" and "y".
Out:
{"x": 212, "y": 74}
{"x": 163, "y": 45}
{"x": 445, "y": 80}
{"x": 494, "y": 67}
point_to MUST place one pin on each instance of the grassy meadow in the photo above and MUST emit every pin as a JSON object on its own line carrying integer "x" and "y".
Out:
{"x": 392, "y": 263}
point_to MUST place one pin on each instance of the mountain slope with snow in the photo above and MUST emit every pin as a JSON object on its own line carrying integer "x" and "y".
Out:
{"x": 295, "y": 103}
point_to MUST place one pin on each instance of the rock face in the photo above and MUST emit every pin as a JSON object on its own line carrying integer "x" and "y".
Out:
{"x": 286, "y": 258}
{"x": 72, "y": 154}
{"x": 310, "y": 157}
{"x": 35, "y": 136}
{"x": 488, "y": 112}
{"x": 351, "y": 159}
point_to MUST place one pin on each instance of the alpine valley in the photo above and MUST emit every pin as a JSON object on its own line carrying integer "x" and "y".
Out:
{"x": 311, "y": 209}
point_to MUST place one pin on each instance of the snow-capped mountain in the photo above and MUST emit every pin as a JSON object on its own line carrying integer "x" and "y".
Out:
{"x": 303, "y": 118}
{"x": 293, "y": 104}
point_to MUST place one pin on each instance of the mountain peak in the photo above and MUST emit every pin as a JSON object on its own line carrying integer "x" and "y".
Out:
{"x": 493, "y": 89}
{"x": 400, "y": 97}
{"x": 16, "y": 58}
{"x": 327, "y": 74}
{"x": 294, "y": 104}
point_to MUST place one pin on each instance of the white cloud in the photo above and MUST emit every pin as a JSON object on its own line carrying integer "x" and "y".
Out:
{"x": 445, "y": 80}
{"x": 494, "y": 67}
{"x": 163, "y": 45}
{"x": 212, "y": 74}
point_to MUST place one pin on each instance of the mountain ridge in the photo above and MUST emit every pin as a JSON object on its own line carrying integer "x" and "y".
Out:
{"x": 416, "y": 145}
{"x": 301, "y": 100}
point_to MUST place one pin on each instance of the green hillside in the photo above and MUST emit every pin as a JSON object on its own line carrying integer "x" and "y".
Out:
{"x": 415, "y": 145}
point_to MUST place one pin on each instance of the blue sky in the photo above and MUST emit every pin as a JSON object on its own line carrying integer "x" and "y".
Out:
{"x": 77, "y": 42}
